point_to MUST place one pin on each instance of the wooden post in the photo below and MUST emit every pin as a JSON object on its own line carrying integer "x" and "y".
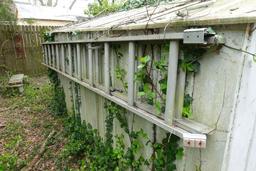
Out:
{"x": 130, "y": 74}
{"x": 171, "y": 81}
{"x": 57, "y": 58}
{"x": 106, "y": 67}
{"x": 70, "y": 59}
{"x": 63, "y": 58}
{"x": 90, "y": 63}
{"x": 78, "y": 53}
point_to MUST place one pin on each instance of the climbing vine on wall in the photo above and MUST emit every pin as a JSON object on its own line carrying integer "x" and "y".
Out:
{"x": 155, "y": 91}
{"x": 58, "y": 104}
{"x": 148, "y": 87}
{"x": 93, "y": 152}
{"x": 190, "y": 64}
{"x": 120, "y": 73}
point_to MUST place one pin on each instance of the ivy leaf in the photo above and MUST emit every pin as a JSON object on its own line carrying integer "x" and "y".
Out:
{"x": 179, "y": 153}
{"x": 144, "y": 59}
{"x": 163, "y": 84}
{"x": 187, "y": 100}
{"x": 141, "y": 93}
{"x": 158, "y": 107}
{"x": 141, "y": 66}
{"x": 186, "y": 111}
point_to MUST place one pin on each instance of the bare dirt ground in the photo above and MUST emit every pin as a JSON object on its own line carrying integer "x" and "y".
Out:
{"x": 25, "y": 124}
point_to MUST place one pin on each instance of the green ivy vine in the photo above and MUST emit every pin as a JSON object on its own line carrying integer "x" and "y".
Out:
{"x": 92, "y": 152}
{"x": 148, "y": 88}
{"x": 58, "y": 104}
{"x": 155, "y": 92}
{"x": 190, "y": 64}
{"x": 120, "y": 73}
{"x": 48, "y": 37}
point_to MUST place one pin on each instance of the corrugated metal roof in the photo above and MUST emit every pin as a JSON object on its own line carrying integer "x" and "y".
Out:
{"x": 179, "y": 12}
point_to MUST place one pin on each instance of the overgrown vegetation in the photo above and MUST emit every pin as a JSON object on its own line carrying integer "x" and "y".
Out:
{"x": 148, "y": 86}
{"x": 24, "y": 124}
{"x": 58, "y": 104}
{"x": 190, "y": 64}
{"x": 104, "y": 7}
{"x": 92, "y": 152}
{"x": 85, "y": 148}
{"x": 151, "y": 89}
{"x": 6, "y": 11}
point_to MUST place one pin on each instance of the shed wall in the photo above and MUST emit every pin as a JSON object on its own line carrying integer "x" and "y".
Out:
{"x": 214, "y": 90}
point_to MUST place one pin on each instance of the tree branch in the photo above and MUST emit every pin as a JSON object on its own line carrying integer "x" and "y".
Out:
{"x": 72, "y": 4}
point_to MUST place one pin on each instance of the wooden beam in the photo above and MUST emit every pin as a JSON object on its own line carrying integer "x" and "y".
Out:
{"x": 70, "y": 59}
{"x": 106, "y": 67}
{"x": 171, "y": 81}
{"x": 78, "y": 53}
{"x": 130, "y": 74}
{"x": 90, "y": 63}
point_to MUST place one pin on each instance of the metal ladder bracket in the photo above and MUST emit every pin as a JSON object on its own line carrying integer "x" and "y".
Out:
{"x": 202, "y": 36}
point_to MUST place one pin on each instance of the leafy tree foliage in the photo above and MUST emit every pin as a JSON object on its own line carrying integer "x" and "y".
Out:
{"x": 104, "y": 7}
{"x": 6, "y": 12}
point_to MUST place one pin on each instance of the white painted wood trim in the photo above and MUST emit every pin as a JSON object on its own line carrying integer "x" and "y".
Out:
{"x": 171, "y": 81}
{"x": 106, "y": 67}
{"x": 130, "y": 74}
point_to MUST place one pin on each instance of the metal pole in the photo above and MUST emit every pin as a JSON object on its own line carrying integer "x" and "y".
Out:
{"x": 171, "y": 81}
{"x": 130, "y": 74}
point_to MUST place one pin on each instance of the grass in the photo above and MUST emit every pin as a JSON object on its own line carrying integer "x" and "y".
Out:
{"x": 26, "y": 122}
